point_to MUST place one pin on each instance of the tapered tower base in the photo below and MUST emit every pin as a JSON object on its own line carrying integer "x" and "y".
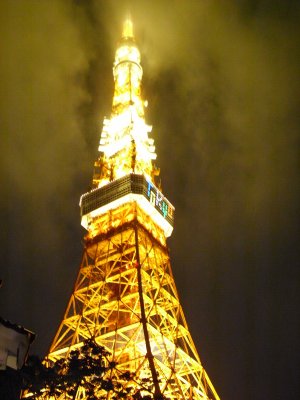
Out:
{"x": 125, "y": 297}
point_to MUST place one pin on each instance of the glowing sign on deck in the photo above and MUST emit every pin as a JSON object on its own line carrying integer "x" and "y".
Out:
{"x": 158, "y": 200}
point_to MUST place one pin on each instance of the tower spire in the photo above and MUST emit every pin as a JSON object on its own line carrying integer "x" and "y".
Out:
{"x": 125, "y": 146}
{"x": 127, "y": 32}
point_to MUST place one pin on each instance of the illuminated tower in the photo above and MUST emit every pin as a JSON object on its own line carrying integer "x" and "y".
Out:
{"x": 125, "y": 295}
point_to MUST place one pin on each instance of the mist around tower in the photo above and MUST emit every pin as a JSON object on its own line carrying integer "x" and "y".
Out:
{"x": 222, "y": 84}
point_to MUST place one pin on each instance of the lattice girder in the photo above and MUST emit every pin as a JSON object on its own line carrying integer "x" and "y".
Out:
{"x": 106, "y": 304}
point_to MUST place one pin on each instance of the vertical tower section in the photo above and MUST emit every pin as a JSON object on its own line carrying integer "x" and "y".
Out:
{"x": 125, "y": 295}
{"x": 125, "y": 146}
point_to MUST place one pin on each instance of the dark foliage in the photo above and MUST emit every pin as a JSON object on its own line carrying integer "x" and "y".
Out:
{"x": 88, "y": 368}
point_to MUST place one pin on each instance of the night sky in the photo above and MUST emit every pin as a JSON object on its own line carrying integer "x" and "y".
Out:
{"x": 222, "y": 81}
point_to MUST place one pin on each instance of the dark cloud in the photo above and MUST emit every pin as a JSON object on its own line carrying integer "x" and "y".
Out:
{"x": 44, "y": 153}
{"x": 223, "y": 89}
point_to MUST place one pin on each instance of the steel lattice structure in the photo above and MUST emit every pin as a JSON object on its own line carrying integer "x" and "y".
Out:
{"x": 125, "y": 295}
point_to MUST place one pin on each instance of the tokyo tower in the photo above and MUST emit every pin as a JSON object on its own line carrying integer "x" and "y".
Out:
{"x": 125, "y": 295}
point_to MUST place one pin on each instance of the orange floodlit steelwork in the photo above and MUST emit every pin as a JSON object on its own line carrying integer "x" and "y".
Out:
{"x": 125, "y": 295}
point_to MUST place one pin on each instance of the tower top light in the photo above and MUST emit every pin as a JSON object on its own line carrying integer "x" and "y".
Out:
{"x": 127, "y": 29}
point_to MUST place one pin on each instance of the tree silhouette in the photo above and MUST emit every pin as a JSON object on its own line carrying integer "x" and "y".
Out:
{"x": 87, "y": 370}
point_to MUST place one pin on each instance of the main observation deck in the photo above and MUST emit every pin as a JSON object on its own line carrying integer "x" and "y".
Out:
{"x": 132, "y": 187}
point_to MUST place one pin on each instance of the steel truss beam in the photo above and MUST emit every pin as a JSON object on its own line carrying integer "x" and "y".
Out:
{"x": 125, "y": 297}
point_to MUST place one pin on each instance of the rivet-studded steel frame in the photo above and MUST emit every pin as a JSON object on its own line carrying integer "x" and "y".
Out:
{"x": 125, "y": 297}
